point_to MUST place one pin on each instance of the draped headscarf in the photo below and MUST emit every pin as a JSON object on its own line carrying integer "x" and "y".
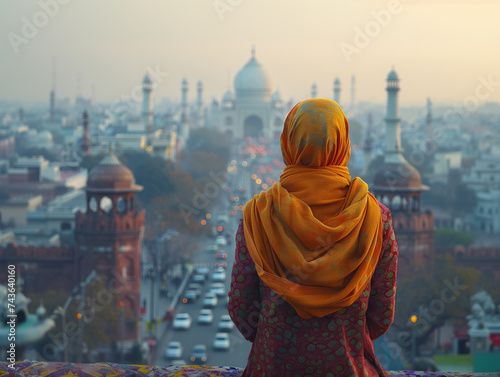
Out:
{"x": 316, "y": 235}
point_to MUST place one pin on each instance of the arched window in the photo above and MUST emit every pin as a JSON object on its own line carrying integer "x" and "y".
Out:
{"x": 106, "y": 204}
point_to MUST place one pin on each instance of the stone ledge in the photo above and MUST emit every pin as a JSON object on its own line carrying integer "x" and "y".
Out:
{"x": 40, "y": 368}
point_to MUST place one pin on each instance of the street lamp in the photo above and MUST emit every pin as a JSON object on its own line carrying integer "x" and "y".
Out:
{"x": 413, "y": 320}
{"x": 83, "y": 284}
{"x": 63, "y": 312}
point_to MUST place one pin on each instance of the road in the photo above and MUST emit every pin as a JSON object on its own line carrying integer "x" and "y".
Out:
{"x": 244, "y": 182}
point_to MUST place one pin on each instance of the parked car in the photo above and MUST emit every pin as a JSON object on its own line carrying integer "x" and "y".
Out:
{"x": 221, "y": 255}
{"x": 174, "y": 350}
{"x": 218, "y": 289}
{"x": 199, "y": 354}
{"x": 182, "y": 321}
{"x": 221, "y": 341}
{"x": 190, "y": 296}
{"x": 210, "y": 300}
{"x": 206, "y": 316}
{"x": 225, "y": 323}
{"x": 219, "y": 274}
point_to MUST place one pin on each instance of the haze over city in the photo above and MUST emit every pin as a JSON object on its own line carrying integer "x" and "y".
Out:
{"x": 440, "y": 49}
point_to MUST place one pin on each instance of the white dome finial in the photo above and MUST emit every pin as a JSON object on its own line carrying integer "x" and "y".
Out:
{"x": 253, "y": 51}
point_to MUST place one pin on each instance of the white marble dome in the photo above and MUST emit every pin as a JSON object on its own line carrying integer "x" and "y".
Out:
{"x": 253, "y": 80}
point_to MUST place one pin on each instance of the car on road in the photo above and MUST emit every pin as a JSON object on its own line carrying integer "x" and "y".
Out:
{"x": 199, "y": 354}
{"x": 199, "y": 278}
{"x": 195, "y": 287}
{"x": 213, "y": 248}
{"x": 225, "y": 323}
{"x": 219, "y": 274}
{"x": 190, "y": 296}
{"x": 202, "y": 271}
{"x": 218, "y": 289}
{"x": 221, "y": 341}
{"x": 174, "y": 350}
{"x": 206, "y": 316}
{"x": 177, "y": 362}
{"x": 210, "y": 300}
{"x": 221, "y": 255}
{"x": 182, "y": 321}
{"x": 221, "y": 241}
{"x": 223, "y": 264}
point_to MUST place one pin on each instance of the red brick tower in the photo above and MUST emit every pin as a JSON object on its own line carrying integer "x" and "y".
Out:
{"x": 398, "y": 185}
{"x": 108, "y": 235}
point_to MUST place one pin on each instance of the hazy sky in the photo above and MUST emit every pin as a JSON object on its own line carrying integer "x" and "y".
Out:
{"x": 441, "y": 49}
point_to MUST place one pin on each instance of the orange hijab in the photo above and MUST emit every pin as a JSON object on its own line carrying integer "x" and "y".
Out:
{"x": 316, "y": 235}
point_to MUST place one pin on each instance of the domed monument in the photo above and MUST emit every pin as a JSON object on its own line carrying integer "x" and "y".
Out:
{"x": 254, "y": 110}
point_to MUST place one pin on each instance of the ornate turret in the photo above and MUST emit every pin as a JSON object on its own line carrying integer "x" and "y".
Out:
{"x": 108, "y": 234}
{"x": 398, "y": 185}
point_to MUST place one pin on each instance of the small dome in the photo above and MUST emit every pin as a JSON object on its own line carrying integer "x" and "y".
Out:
{"x": 392, "y": 75}
{"x": 276, "y": 97}
{"x": 253, "y": 79}
{"x": 45, "y": 137}
{"x": 398, "y": 175}
{"x": 111, "y": 175}
{"x": 336, "y": 81}
{"x": 147, "y": 79}
{"x": 41, "y": 311}
{"x": 228, "y": 96}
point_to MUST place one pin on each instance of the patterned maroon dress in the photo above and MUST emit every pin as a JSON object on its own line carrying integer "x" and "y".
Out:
{"x": 339, "y": 344}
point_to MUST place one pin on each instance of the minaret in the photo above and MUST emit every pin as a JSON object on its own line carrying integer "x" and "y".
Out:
{"x": 85, "y": 145}
{"x": 314, "y": 91}
{"x": 336, "y": 90}
{"x": 184, "y": 109}
{"x": 398, "y": 185}
{"x": 368, "y": 144}
{"x": 199, "y": 105}
{"x": 147, "y": 101}
{"x": 393, "y": 150}
{"x": 53, "y": 93}
{"x": 353, "y": 91}
{"x": 430, "y": 133}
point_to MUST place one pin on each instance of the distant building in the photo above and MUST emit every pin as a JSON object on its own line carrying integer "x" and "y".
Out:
{"x": 253, "y": 110}
{"x": 107, "y": 233}
{"x": 398, "y": 185}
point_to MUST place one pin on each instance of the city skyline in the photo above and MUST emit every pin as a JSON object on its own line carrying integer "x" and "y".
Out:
{"x": 442, "y": 50}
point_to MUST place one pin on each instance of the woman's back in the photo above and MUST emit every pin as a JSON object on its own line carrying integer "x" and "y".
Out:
{"x": 339, "y": 344}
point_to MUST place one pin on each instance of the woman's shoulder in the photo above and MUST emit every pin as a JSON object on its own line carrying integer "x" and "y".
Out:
{"x": 386, "y": 214}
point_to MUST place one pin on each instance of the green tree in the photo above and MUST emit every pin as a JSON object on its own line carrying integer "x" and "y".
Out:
{"x": 435, "y": 294}
{"x": 209, "y": 140}
{"x": 451, "y": 238}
